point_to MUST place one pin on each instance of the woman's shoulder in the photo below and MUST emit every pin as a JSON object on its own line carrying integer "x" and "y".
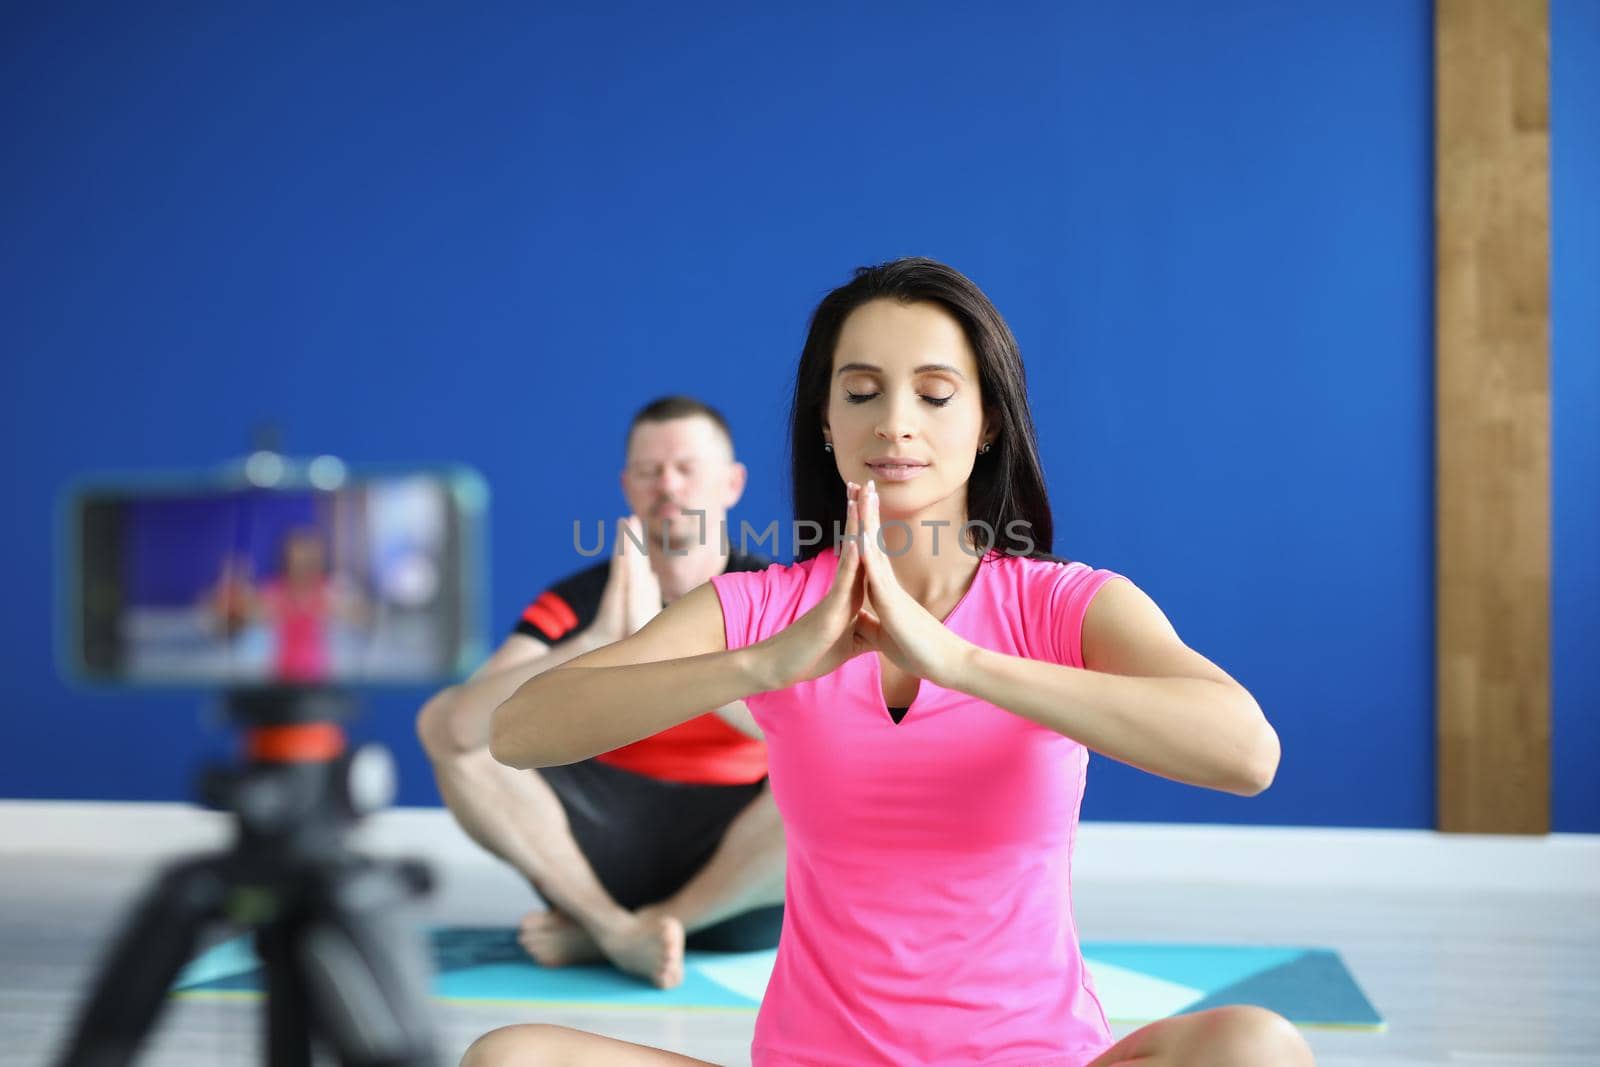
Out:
{"x": 1049, "y": 595}
{"x": 765, "y": 572}
{"x": 1041, "y": 569}
{"x": 755, "y": 604}
{"x": 1059, "y": 577}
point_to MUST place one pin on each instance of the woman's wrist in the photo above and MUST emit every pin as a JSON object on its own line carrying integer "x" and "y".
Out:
{"x": 958, "y": 665}
{"x": 754, "y": 667}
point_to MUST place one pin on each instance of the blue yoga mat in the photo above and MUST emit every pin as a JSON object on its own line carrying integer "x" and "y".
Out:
{"x": 1138, "y": 982}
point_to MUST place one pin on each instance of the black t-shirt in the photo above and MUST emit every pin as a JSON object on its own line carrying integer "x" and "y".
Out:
{"x": 571, "y": 604}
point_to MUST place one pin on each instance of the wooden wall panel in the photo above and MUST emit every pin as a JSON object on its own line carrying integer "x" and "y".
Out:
{"x": 1492, "y": 379}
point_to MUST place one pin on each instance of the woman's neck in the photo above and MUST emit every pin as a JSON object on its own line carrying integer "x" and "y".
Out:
{"x": 932, "y": 559}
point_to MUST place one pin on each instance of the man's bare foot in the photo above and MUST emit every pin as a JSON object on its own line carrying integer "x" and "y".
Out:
{"x": 555, "y": 940}
{"x": 650, "y": 946}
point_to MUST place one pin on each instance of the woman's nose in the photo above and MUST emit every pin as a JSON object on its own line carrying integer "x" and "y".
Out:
{"x": 896, "y": 423}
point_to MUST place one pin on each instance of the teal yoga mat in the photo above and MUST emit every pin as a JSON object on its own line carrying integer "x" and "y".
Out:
{"x": 1137, "y": 981}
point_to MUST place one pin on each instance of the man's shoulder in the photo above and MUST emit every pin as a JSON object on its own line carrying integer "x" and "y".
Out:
{"x": 566, "y": 605}
{"x": 592, "y": 579}
{"x": 585, "y": 584}
{"x": 582, "y": 589}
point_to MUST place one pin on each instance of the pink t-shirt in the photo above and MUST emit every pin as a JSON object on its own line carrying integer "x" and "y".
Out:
{"x": 301, "y": 616}
{"x": 929, "y": 916}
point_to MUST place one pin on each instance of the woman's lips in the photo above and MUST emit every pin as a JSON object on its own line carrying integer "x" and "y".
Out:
{"x": 896, "y": 472}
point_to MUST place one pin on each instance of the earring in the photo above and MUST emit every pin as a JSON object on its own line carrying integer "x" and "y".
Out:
{"x": 827, "y": 446}
{"x": 985, "y": 449}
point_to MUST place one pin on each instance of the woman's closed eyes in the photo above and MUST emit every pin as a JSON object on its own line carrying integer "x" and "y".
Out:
{"x": 862, "y": 398}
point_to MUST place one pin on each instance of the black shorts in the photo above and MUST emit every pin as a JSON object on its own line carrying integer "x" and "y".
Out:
{"x": 645, "y": 838}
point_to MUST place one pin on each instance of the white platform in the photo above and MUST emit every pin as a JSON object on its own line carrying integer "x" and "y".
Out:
{"x": 1477, "y": 950}
{"x": 1256, "y": 856}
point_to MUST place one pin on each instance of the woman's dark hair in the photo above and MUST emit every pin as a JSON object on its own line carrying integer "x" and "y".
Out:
{"x": 1007, "y": 483}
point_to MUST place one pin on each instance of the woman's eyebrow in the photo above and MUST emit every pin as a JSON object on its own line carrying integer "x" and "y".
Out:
{"x": 873, "y": 369}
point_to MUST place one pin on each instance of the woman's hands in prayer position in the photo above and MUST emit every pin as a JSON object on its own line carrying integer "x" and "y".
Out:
{"x": 865, "y": 610}
{"x": 894, "y": 622}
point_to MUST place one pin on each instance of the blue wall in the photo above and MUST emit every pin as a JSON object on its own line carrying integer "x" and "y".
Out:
{"x": 1575, "y": 423}
{"x": 426, "y": 235}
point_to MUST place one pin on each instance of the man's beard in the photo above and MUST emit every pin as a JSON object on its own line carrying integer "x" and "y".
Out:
{"x": 677, "y": 532}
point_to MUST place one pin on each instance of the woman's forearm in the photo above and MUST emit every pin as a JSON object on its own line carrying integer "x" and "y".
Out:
{"x": 485, "y": 692}
{"x": 1192, "y": 730}
{"x": 574, "y": 712}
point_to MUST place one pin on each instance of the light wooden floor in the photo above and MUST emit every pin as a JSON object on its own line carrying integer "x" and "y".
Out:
{"x": 1485, "y": 978}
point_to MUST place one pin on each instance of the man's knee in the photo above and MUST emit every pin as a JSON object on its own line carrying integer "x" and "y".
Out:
{"x": 437, "y": 728}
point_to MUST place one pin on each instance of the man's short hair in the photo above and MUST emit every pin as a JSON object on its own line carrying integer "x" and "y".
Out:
{"x": 667, "y": 408}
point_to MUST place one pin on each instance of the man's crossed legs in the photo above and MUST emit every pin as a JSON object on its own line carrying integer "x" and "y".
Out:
{"x": 655, "y": 844}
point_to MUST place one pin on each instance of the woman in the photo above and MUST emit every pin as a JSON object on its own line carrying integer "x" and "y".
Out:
{"x": 929, "y": 690}
{"x": 301, "y": 604}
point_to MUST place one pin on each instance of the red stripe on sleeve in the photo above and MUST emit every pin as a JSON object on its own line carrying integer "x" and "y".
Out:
{"x": 542, "y": 619}
{"x": 564, "y": 615}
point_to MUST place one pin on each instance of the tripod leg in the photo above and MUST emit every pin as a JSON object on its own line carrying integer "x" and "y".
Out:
{"x": 368, "y": 977}
{"x": 288, "y": 1027}
{"x": 156, "y": 940}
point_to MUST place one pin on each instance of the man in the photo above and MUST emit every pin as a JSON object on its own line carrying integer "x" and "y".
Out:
{"x": 676, "y": 835}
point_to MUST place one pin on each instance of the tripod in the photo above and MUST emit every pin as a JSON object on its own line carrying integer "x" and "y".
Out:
{"x": 339, "y": 969}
